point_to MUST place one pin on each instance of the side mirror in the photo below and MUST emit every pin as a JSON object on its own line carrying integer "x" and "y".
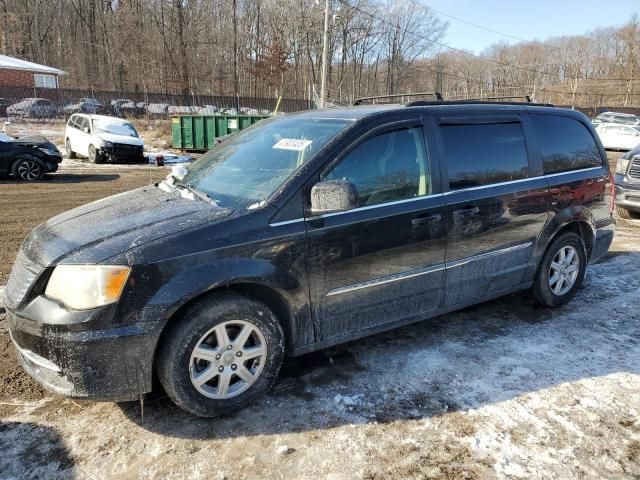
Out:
{"x": 86, "y": 129}
{"x": 333, "y": 196}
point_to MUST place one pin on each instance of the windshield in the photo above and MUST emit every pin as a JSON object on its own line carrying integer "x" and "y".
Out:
{"x": 251, "y": 165}
{"x": 115, "y": 127}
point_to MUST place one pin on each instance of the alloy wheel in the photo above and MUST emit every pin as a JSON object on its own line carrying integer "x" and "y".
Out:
{"x": 564, "y": 270}
{"x": 228, "y": 359}
{"x": 29, "y": 170}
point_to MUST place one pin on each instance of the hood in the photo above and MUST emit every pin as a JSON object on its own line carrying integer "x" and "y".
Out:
{"x": 122, "y": 139}
{"x": 99, "y": 230}
{"x": 34, "y": 141}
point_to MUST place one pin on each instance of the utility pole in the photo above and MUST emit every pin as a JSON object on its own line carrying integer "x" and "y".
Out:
{"x": 325, "y": 48}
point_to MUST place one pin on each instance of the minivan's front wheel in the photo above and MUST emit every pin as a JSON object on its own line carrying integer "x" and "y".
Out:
{"x": 561, "y": 271}
{"x": 70, "y": 152}
{"x": 224, "y": 352}
{"x": 94, "y": 155}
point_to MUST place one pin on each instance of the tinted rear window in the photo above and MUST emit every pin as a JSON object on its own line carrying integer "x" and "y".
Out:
{"x": 565, "y": 144}
{"x": 479, "y": 155}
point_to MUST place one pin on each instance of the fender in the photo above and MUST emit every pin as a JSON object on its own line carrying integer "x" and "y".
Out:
{"x": 189, "y": 284}
{"x": 559, "y": 220}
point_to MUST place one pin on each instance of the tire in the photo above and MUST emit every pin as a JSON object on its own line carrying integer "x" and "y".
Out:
{"x": 70, "y": 152}
{"x": 93, "y": 155}
{"x": 627, "y": 214}
{"x": 179, "y": 366}
{"x": 28, "y": 169}
{"x": 545, "y": 289}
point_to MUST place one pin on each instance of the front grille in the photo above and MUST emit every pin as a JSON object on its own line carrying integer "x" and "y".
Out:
{"x": 23, "y": 276}
{"x": 634, "y": 169}
{"x": 127, "y": 150}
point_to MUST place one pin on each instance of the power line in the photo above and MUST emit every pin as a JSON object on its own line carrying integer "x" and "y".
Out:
{"x": 454, "y": 49}
{"x": 478, "y": 26}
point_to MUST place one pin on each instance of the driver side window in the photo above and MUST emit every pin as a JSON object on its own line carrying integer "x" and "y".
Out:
{"x": 388, "y": 167}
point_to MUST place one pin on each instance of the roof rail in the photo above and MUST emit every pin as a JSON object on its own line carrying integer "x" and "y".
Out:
{"x": 436, "y": 95}
{"x": 493, "y": 99}
{"x": 473, "y": 101}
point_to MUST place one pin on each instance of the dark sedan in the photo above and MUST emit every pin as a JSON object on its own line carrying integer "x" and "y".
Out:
{"x": 28, "y": 158}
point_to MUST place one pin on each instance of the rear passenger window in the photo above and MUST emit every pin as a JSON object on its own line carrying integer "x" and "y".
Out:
{"x": 388, "y": 167}
{"x": 565, "y": 144}
{"x": 478, "y": 155}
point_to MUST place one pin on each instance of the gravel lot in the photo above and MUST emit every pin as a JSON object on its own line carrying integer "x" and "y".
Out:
{"x": 505, "y": 389}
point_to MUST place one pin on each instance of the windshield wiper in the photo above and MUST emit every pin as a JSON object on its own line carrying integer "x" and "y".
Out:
{"x": 197, "y": 193}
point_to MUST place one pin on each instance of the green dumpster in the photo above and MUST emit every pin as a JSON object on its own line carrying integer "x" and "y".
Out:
{"x": 199, "y": 132}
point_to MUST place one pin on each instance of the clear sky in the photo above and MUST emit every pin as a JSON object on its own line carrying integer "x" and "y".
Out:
{"x": 540, "y": 19}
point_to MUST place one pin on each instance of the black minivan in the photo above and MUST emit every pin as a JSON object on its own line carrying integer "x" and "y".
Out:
{"x": 304, "y": 231}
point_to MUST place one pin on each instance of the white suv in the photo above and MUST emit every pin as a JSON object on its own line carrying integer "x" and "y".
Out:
{"x": 101, "y": 138}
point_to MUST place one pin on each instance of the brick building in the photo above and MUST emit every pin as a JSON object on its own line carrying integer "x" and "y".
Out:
{"x": 20, "y": 73}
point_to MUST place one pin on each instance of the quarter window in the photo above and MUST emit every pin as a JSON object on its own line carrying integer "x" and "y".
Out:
{"x": 388, "y": 167}
{"x": 565, "y": 144}
{"x": 485, "y": 154}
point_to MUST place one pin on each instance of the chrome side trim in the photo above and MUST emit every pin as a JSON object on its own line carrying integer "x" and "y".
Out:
{"x": 483, "y": 256}
{"x": 575, "y": 171}
{"x": 371, "y": 207}
{"x": 482, "y": 187}
{"x": 407, "y": 200}
{"x": 286, "y": 222}
{"x": 386, "y": 279}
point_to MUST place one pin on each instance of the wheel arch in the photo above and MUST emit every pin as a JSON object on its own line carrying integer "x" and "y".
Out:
{"x": 23, "y": 156}
{"x": 260, "y": 292}
{"x": 577, "y": 224}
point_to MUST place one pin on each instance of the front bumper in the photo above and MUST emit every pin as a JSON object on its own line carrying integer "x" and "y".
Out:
{"x": 628, "y": 196}
{"x": 123, "y": 153}
{"x": 105, "y": 365}
{"x": 52, "y": 163}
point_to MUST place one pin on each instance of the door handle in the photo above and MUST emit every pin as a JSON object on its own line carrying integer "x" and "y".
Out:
{"x": 416, "y": 222}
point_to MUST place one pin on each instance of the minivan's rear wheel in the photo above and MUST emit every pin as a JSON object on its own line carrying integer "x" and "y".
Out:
{"x": 28, "y": 169}
{"x": 561, "y": 271}
{"x": 70, "y": 152}
{"x": 627, "y": 214}
{"x": 223, "y": 353}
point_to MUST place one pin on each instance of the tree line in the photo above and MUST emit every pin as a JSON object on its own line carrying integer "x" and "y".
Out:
{"x": 267, "y": 48}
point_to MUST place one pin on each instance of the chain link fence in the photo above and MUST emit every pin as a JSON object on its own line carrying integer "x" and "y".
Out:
{"x": 31, "y": 102}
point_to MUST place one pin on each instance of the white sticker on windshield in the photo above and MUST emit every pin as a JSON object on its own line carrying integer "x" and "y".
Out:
{"x": 292, "y": 144}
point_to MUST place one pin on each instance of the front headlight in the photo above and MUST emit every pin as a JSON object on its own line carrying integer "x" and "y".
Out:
{"x": 623, "y": 165}
{"x": 106, "y": 144}
{"x": 82, "y": 287}
{"x": 49, "y": 151}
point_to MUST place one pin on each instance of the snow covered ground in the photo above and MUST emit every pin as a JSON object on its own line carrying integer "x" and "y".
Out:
{"x": 505, "y": 389}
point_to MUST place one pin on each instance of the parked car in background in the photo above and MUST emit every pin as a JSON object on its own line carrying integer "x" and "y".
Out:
{"x": 627, "y": 182}
{"x": 84, "y": 105}
{"x": 616, "y": 136}
{"x": 613, "y": 117}
{"x": 302, "y": 232}
{"x": 28, "y": 158}
{"x": 121, "y": 106}
{"x": 208, "y": 110}
{"x": 4, "y": 103}
{"x": 157, "y": 109}
{"x": 100, "y": 139}
{"x": 33, "y": 108}
{"x": 183, "y": 109}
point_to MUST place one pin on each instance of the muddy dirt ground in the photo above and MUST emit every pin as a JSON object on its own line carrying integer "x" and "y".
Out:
{"x": 24, "y": 206}
{"x": 505, "y": 389}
